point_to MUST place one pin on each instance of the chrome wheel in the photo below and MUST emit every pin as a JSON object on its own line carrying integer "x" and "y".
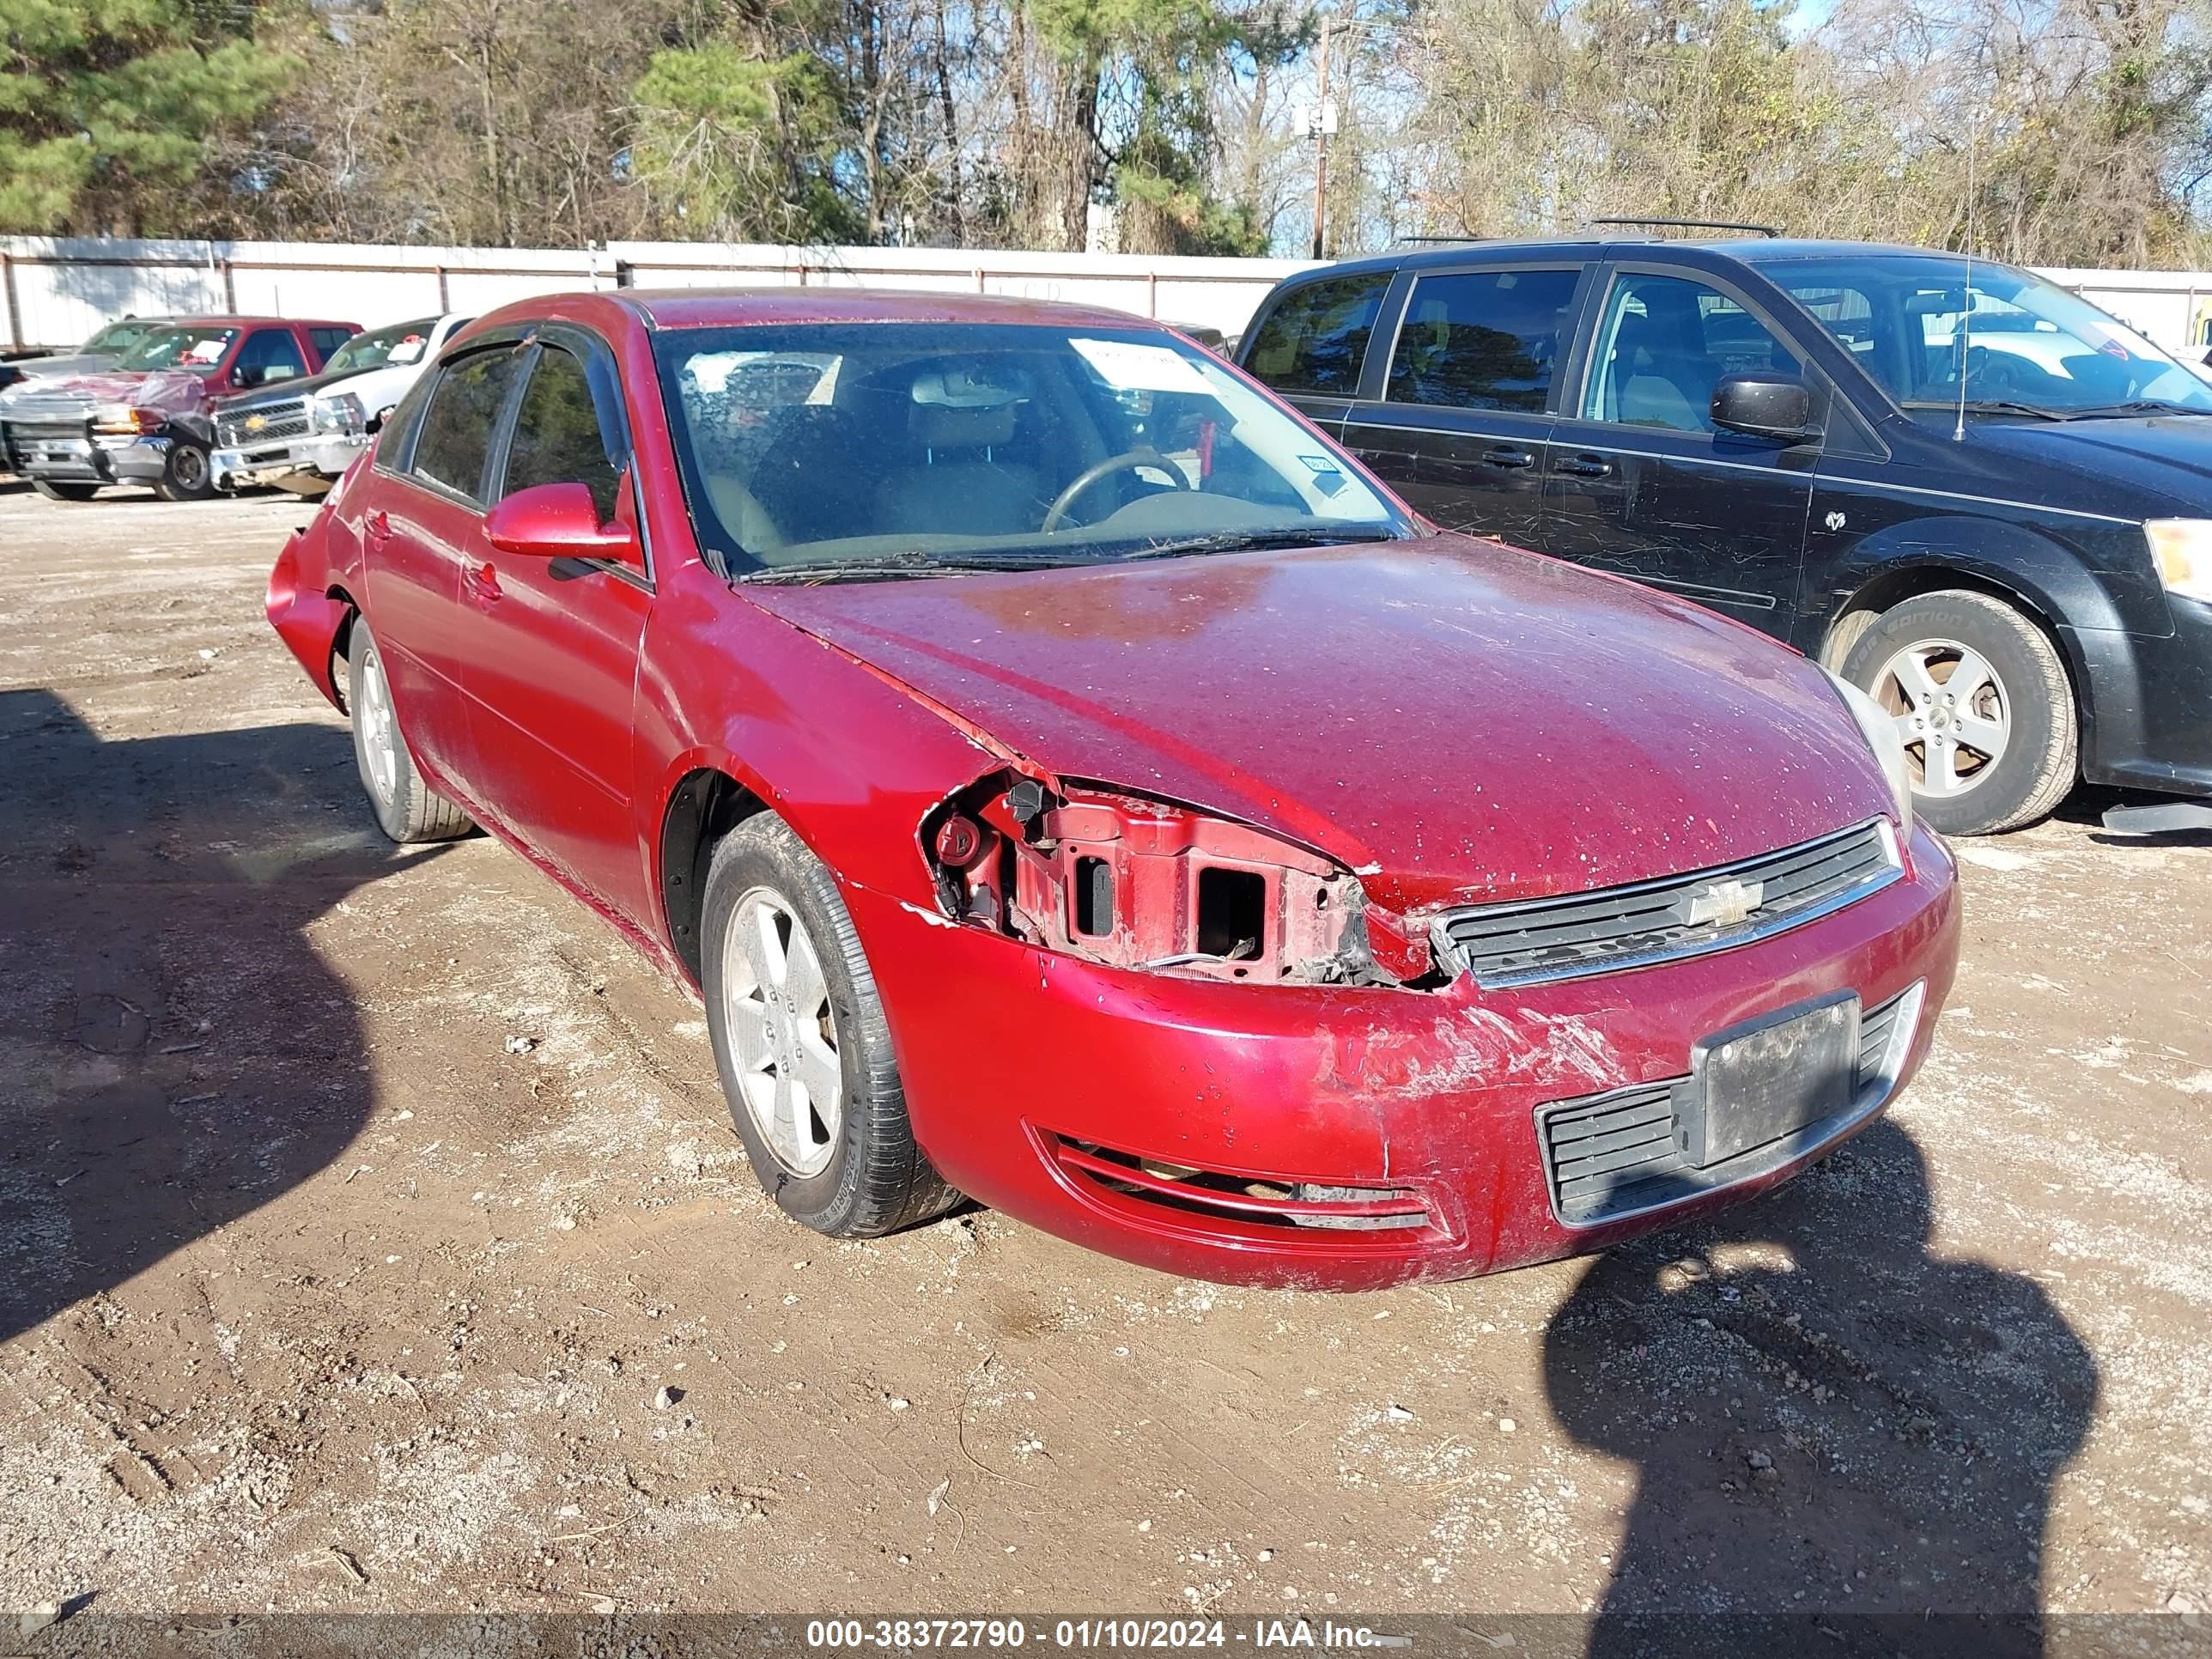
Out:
{"x": 1952, "y": 714}
{"x": 379, "y": 731}
{"x": 783, "y": 1034}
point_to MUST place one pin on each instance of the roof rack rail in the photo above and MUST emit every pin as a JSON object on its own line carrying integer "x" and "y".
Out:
{"x": 1435, "y": 241}
{"x": 1695, "y": 224}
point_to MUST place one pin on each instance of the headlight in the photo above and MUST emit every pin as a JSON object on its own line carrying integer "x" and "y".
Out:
{"x": 1133, "y": 882}
{"x": 120, "y": 420}
{"x": 1879, "y": 727}
{"x": 2182, "y": 550}
{"x": 340, "y": 412}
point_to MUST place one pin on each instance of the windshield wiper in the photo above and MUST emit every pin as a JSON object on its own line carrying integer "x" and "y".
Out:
{"x": 2140, "y": 406}
{"x": 1240, "y": 541}
{"x": 1993, "y": 406}
{"x": 889, "y": 566}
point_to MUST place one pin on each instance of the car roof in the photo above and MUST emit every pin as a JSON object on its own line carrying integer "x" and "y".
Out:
{"x": 239, "y": 319}
{"x": 696, "y": 308}
{"x": 1751, "y": 250}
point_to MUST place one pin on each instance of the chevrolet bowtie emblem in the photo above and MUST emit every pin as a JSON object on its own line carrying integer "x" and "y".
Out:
{"x": 255, "y": 422}
{"x": 1725, "y": 903}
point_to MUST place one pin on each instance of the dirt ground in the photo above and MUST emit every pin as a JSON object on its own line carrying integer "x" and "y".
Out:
{"x": 357, "y": 1209}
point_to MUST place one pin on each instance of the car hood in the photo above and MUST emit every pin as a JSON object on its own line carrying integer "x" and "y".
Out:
{"x": 2169, "y": 454}
{"x": 172, "y": 390}
{"x": 1453, "y": 720}
{"x": 64, "y": 368}
{"x": 285, "y": 392}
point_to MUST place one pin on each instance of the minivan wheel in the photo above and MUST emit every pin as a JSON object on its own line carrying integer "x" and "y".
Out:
{"x": 802, "y": 1043}
{"x": 407, "y": 809}
{"x": 1982, "y": 705}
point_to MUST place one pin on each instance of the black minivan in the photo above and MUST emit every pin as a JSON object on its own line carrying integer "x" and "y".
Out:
{"x": 1972, "y": 493}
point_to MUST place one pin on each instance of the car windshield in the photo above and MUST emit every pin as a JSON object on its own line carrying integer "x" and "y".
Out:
{"x": 1914, "y": 321}
{"x": 860, "y": 449}
{"x": 198, "y": 351}
{"x": 120, "y": 336}
{"x": 403, "y": 343}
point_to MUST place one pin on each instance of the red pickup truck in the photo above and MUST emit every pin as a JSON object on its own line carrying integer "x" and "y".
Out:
{"x": 146, "y": 420}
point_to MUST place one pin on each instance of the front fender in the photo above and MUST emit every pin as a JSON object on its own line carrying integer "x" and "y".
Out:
{"x": 2096, "y": 577}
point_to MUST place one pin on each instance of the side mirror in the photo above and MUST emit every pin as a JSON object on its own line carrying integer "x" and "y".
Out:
{"x": 1761, "y": 403}
{"x": 557, "y": 521}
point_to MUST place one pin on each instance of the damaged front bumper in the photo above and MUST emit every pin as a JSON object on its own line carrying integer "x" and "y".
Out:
{"x": 1349, "y": 1136}
{"x": 303, "y": 464}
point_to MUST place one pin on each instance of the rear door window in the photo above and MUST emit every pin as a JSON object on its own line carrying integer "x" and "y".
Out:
{"x": 1488, "y": 339}
{"x": 328, "y": 340}
{"x": 454, "y": 443}
{"x": 1315, "y": 338}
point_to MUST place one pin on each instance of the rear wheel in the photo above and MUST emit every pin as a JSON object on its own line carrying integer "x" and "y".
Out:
{"x": 1982, "y": 704}
{"x": 407, "y": 809}
{"x": 802, "y": 1044}
{"x": 188, "y": 477}
{"x": 60, "y": 490}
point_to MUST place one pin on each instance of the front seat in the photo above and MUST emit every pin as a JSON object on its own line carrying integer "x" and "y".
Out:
{"x": 958, "y": 479}
{"x": 1666, "y": 370}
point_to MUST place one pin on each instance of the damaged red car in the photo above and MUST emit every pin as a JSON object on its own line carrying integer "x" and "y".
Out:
{"x": 1073, "y": 782}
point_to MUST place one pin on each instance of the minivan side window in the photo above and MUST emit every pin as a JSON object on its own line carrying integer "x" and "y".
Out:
{"x": 455, "y": 441}
{"x": 557, "y": 437}
{"x": 1315, "y": 337}
{"x": 1662, "y": 347}
{"x": 1487, "y": 339}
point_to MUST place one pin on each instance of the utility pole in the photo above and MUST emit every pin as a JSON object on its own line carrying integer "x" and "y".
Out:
{"x": 1321, "y": 126}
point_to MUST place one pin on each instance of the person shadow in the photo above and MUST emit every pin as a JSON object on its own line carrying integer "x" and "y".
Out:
{"x": 174, "y": 1051}
{"x": 1843, "y": 1443}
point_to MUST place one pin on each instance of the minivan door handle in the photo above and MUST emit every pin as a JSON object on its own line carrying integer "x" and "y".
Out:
{"x": 1508, "y": 457}
{"x": 1584, "y": 466}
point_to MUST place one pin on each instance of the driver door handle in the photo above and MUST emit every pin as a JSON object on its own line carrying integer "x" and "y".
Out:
{"x": 377, "y": 524}
{"x": 483, "y": 580}
{"x": 1506, "y": 456}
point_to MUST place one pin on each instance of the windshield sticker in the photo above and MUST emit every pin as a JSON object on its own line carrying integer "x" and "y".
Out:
{"x": 207, "y": 351}
{"x": 1328, "y": 477}
{"x": 408, "y": 349}
{"x": 1130, "y": 367}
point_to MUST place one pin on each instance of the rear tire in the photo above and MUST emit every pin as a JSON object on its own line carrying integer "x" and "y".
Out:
{"x": 407, "y": 809}
{"x": 189, "y": 476}
{"x": 792, "y": 1012}
{"x": 2019, "y": 705}
{"x": 63, "y": 489}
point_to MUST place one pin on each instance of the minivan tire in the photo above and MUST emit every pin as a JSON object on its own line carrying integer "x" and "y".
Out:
{"x": 2039, "y": 761}
{"x": 867, "y": 1176}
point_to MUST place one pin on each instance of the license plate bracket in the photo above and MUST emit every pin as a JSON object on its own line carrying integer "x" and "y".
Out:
{"x": 1755, "y": 1083}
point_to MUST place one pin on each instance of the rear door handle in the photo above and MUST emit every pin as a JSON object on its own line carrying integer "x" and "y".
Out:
{"x": 483, "y": 580}
{"x": 378, "y": 525}
{"x": 1510, "y": 458}
{"x": 1584, "y": 466}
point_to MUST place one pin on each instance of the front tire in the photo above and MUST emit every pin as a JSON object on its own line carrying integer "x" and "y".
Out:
{"x": 407, "y": 809}
{"x": 63, "y": 489}
{"x": 188, "y": 475}
{"x": 802, "y": 1043}
{"x": 1983, "y": 706}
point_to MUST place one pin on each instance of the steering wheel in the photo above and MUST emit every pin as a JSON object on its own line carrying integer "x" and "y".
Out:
{"x": 1128, "y": 461}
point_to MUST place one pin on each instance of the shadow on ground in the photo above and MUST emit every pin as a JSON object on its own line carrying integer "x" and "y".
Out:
{"x": 174, "y": 1051}
{"x": 1779, "y": 1472}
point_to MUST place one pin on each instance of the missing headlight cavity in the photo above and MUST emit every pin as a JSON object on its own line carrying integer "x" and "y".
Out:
{"x": 1232, "y": 913}
{"x": 1128, "y": 880}
{"x": 1094, "y": 897}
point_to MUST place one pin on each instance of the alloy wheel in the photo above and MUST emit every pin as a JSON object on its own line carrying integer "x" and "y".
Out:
{"x": 379, "y": 731}
{"x": 1952, "y": 714}
{"x": 783, "y": 1032}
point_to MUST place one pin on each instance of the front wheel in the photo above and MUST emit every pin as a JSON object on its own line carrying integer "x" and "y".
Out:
{"x": 802, "y": 1044}
{"x": 63, "y": 489}
{"x": 1982, "y": 703}
{"x": 407, "y": 809}
{"x": 187, "y": 476}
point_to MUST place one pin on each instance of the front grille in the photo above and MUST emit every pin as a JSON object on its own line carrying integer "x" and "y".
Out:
{"x": 1284, "y": 1206}
{"x": 1535, "y": 940}
{"x": 235, "y": 428}
{"x": 1614, "y": 1154}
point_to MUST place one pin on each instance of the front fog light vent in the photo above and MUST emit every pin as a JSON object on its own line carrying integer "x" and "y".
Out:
{"x": 1282, "y": 1204}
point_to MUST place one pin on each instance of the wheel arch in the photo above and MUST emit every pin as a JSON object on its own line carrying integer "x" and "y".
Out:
{"x": 702, "y": 806}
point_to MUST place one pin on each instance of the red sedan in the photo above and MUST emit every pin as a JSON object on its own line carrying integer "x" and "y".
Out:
{"x": 1070, "y": 780}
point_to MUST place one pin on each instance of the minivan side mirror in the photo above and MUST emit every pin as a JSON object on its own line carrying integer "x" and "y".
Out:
{"x": 557, "y": 521}
{"x": 1761, "y": 404}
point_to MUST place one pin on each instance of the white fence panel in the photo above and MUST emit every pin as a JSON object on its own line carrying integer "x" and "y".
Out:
{"x": 57, "y": 291}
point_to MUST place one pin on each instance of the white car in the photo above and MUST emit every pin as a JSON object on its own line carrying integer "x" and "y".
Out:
{"x": 303, "y": 435}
